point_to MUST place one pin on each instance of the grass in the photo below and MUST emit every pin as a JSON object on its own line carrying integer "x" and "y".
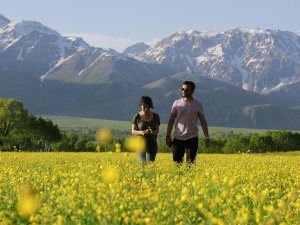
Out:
{"x": 80, "y": 122}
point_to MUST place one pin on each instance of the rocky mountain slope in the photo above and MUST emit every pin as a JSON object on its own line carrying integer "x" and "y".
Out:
{"x": 254, "y": 59}
{"x": 58, "y": 75}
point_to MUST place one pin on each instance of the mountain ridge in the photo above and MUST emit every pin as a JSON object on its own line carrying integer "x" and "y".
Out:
{"x": 254, "y": 59}
{"x": 58, "y": 75}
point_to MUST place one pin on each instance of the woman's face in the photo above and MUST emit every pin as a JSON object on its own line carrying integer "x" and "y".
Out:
{"x": 145, "y": 108}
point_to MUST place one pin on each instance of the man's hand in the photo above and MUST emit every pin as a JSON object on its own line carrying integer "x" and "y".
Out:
{"x": 207, "y": 142}
{"x": 169, "y": 141}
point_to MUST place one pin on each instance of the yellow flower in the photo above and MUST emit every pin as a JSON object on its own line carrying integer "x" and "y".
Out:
{"x": 126, "y": 219}
{"x": 110, "y": 174}
{"x": 98, "y": 148}
{"x": 215, "y": 220}
{"x": 200, "y": 206}
{"x": 225, "y": 194}
{"x": 184, "y": 197}
{"x": 103, "y": 135}
{"x": 269, "y": 208}
{"x": 59, "y": 220}
{"x": 232, "y": 182}
{"x": 118, "y": 147}
{"x": 28, "y": 202}
{"x": 135, "y": 143}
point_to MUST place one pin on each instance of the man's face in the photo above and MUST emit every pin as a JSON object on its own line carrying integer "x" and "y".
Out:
{"x": 186, "y": 91}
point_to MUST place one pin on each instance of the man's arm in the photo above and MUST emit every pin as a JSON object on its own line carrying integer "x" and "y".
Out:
{"x": 169, "y": 129}
{"x": 204, "y": 128}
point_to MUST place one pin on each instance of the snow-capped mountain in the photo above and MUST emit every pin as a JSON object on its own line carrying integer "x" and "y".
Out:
{"x": 136, "y": 49}
{"x": 254, "y": 59}
{"x": 58, "y": 75}
{"x": 31, "y": 49}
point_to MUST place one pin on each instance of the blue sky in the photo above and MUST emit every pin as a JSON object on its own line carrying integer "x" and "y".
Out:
{"x": 119, "y": 23}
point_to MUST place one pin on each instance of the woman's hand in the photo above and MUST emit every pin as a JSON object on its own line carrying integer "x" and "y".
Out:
{"x": 148, "y": 131}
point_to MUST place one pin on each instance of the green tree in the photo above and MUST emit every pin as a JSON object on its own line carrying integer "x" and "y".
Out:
{"x": 217, "y": 144}
{"x": 67, "y": 143}
{"x": 285, "y": 140}
{"x": 237, "y": 144}
{"x": 19, "y": 130}
{"x": 12, "y": 116}
{"x": 44, "y": 128}
{"x": 80, "y": 145}
{"x": 90, "y": 146}
{"x": 40, "y": 133}
{"x": 261, "y": 143}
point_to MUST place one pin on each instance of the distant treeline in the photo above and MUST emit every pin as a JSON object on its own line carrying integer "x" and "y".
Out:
{"x": 271, "y": 141}
{"x": 20, "y": 131}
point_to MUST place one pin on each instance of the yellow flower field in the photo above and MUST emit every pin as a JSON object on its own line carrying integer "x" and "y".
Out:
{"x": 112, "y": 188}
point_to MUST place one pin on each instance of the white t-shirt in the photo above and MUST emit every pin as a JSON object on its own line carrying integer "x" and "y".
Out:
{"x": 186, "y": 121}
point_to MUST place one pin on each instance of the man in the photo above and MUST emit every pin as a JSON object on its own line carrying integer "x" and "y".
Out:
{"x": 185, "y": 113}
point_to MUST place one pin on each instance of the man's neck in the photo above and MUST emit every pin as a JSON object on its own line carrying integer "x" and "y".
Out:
{"x": 187, "y": 99}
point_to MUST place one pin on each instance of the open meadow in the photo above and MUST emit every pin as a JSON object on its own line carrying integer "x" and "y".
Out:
{"x": 67, "y": 122}
{"x": 76, "y": 122}
{"x": 112, "y": 188}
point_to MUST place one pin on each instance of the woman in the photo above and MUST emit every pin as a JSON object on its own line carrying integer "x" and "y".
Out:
{"x": 146, "y": 123}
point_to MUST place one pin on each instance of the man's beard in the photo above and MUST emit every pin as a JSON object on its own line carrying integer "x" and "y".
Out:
{"x": 186, "y": 96}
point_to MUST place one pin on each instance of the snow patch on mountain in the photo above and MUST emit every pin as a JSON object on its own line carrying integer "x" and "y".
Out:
{"x": 251, "y": 31}
{"x": 78, "y": 42}
{"x": 101, "y": 57}
{"x": 20, "y": 58}
{"x": 202, "y": 59}
{"x": 189, "y": 60}
{"x": 15, "y": 30}
{"x": 136, "y": 49}
{"x": 6, "y": 42}
{"x": 58, "y": 63}
{"x": 283, "y": 82}
{"x": 216, "y": 51}
{"x": 237, "y": 62}
{"x": 22, "y": 27}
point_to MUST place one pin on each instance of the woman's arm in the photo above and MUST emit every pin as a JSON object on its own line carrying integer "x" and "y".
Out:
{"x": 135, "y": 131}
{"x": 156, "y": 131}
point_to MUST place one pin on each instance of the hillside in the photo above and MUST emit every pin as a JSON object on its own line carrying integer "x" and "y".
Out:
{"x": 245, "y": 77}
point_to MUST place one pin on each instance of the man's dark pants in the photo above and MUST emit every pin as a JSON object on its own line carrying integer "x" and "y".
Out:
{"x": 179, "y": 147}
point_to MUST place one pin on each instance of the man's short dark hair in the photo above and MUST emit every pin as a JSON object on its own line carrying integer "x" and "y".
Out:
{"x": 190, "y": 83}
{"x": 146, "y": 100}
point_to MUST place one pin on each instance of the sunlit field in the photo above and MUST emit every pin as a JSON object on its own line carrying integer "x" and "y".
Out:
{"x": 112, "y": 188}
